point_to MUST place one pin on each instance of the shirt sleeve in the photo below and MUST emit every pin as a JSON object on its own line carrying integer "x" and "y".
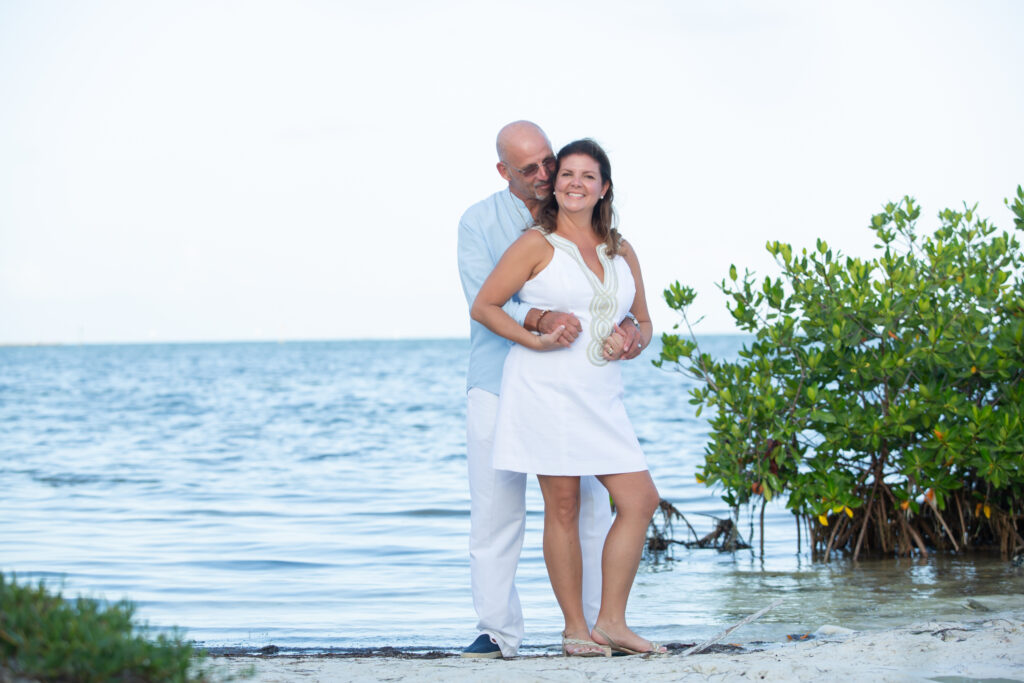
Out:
{"x": 476, "y": 263}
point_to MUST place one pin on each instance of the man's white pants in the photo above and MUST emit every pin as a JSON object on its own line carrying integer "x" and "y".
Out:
{"x": 497, "y": 523}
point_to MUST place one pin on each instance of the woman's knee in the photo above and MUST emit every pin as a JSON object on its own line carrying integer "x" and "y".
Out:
{"x": 652, "y": 499}
{"x": 562, "y": 503}
{"x": 565, "y": 510}
{"x": 642, "y": 500}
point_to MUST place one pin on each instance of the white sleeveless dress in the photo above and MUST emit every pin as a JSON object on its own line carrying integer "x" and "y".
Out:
{"x": 561, "y": 411}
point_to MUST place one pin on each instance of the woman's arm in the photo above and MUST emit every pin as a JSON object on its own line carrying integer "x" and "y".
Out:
{"x": 639, "y": 307}
{"x": 521, "y": 261}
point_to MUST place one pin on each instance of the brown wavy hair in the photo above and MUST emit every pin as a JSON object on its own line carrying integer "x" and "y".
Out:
{"x": 603, "y": 218}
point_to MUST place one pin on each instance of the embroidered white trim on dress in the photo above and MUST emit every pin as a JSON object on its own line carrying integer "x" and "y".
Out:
{"x": 605, "y": 301}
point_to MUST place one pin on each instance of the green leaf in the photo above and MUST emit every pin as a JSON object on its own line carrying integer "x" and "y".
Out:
{"x": 905, "y": 365}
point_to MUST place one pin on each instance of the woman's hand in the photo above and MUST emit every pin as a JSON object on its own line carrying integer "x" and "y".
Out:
{"x": 611, "y": 348}
{"x": 551, "y": 340}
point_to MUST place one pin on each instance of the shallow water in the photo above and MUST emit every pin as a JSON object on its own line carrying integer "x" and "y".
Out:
{"x": 314, "y": 495}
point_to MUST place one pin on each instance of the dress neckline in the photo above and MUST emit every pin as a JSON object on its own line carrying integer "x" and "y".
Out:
{"x": 602, "y": 257}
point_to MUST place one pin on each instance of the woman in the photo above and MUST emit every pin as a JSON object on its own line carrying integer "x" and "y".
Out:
{"x": 561, "y": 413}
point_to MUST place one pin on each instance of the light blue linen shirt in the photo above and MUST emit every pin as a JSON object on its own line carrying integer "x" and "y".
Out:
{"x": 485, "y": 231}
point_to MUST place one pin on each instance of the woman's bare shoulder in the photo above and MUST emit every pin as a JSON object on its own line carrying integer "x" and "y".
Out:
{"x": 535, "y": 233}
{"x": 532, "y": 240}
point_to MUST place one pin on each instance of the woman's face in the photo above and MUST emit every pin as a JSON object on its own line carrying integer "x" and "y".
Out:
{"x": 578, "y": 184}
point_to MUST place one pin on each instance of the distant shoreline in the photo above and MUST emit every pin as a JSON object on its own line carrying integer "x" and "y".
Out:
{"x": 352, "y": 340}
{"x": 223, "y": 342}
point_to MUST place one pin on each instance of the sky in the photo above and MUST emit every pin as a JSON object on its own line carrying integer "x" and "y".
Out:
{"x": 253, "y": 170}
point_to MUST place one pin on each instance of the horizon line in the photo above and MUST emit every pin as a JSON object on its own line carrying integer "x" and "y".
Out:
{"x": 296, "y": 340}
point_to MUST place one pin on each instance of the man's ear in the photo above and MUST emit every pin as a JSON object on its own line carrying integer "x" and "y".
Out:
{"x": 503, "y": 171}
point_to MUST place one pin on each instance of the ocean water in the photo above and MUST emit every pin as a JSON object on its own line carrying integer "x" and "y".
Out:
{"x": 313, "y": 495}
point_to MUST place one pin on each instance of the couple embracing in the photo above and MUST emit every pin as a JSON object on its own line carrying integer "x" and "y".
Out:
{"x": 557, "y": 301}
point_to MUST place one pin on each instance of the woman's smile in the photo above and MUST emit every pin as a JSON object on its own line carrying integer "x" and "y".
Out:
{"x": 578, "y": 184}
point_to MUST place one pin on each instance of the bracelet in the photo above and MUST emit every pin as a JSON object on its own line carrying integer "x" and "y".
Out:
{"x": 541, "y": 317}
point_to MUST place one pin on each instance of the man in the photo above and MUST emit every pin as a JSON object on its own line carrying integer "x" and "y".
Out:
{"x": 497, "y": 497}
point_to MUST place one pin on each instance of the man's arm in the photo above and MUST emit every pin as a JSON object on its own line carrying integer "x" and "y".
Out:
{"x": 545, "y": 322}
{"x": 639, "y": 329}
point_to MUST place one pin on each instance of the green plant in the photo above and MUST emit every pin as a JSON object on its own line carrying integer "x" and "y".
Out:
{"x": 883, "y": 398}
{"x": 44, "y": 637}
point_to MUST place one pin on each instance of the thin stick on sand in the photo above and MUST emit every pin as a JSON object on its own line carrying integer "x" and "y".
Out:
{"x": 723, "y": 634}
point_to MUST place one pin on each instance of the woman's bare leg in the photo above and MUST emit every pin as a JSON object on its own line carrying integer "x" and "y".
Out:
{"x": 562, "y": 549}
{"x": 636, "y": 499}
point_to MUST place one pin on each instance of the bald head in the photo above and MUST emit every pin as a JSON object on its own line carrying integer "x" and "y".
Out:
{"x": 520, "y": 136}
{"x": 526, "y": 161}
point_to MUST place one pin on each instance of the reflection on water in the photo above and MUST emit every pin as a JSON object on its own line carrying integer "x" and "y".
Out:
{"x": 314, "y": 494}
{"x": 866, "y": 594}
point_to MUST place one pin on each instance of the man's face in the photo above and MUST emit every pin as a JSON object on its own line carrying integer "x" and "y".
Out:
{"x": 528, "y": 166}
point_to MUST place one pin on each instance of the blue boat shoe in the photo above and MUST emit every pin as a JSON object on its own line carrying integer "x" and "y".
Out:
{"x": 484, "y": 647}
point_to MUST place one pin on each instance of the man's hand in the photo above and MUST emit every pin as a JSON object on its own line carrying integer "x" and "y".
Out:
{"x": 634, "y": 342}
{"x": 569, "y": 323}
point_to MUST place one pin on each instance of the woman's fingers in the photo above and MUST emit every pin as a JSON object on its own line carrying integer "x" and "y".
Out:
{"x": 553, "y": 339}
{"x": 612, "y": 347}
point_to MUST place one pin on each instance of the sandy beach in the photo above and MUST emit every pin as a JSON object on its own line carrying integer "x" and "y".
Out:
{"x": 989, "y": 647}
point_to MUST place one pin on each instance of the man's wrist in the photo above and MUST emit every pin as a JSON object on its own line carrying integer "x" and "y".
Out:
{"x": 541, "y": 317}
{"x": 530, "y": 320}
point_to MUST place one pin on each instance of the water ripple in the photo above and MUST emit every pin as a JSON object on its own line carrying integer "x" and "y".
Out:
{"x": 314, "y": 494}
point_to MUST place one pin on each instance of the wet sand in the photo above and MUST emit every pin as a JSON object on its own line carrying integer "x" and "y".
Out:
{"x": 988, "y": 647}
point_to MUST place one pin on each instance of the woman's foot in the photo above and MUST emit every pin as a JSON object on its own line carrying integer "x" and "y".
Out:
{"x": 626, "y": 641}
{"x": 583, "y": 647}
